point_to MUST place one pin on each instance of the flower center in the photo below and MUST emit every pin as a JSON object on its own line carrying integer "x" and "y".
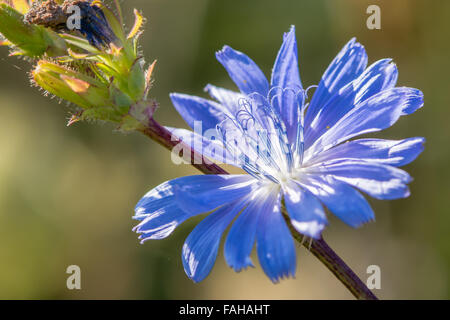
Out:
{"x": 266, "y": 142}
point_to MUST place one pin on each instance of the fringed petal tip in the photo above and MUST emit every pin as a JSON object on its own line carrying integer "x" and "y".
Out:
{"x": 242, "y": 267}
{"x": 353, "y": 43}
{"x": 291, "y": 30}
{"x": 414, "y": 98}
{"x": 362, "y": 223}
{"x": 222, "y": 51}
{"x": 278, "y": 278}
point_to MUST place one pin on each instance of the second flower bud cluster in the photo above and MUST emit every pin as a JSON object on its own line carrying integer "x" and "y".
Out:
{"x": 97, "y": 68}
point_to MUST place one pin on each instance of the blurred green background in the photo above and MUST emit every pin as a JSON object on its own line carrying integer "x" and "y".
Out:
{"x": 67, "y": 194}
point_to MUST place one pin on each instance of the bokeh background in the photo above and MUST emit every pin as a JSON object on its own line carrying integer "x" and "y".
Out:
{"x": 67, "y": 194}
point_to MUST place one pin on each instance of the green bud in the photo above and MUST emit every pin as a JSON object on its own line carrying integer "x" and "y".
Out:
{"x": 70, "y": 85}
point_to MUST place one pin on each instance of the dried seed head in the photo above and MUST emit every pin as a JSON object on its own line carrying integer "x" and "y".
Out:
{"x": 46, "y": 13}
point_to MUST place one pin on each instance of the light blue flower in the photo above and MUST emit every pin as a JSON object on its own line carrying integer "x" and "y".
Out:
{"x": 294, "y": 152}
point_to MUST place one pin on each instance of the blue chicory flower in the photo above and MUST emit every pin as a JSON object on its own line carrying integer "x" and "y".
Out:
{"x": 293, "y": 151}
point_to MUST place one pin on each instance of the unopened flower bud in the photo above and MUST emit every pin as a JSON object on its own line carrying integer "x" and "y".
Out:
{"x": 70, "y": 85}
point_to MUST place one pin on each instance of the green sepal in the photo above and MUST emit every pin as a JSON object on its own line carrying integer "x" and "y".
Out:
{"x": 136, "y": 81}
